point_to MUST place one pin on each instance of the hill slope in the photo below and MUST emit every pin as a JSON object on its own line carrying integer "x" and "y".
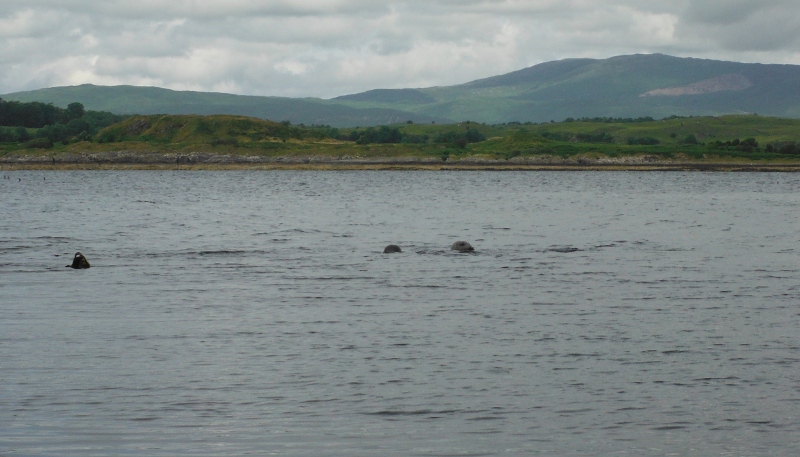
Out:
{"x": 154, "y": 100}
{"x": 626, "y": 86}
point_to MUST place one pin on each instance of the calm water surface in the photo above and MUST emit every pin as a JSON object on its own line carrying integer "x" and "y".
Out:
{"x": 253, "y": 313}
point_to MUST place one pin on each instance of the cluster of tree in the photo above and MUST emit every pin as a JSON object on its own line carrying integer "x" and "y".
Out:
{"x": 688, "y": 140}
{"x": 746, "y": 145}
{"x": 596, "y": 120}
{"x": 53, "y": 124}
{"x": 14, "y": 135}
{"x": 76, "y": 129}
{"x": 601, "y": 137}
{"x": 610, "y": 120}
{"x": 36, "y": 115}
{"x": 783, "y": 147}
{"x": 643, "y": 141}
{"x": 381, "y": 135}
{"x": 388, "y": 135}
{"x": 460, "y": 139}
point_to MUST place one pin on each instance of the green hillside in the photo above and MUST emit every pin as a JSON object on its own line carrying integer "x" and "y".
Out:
{"x": 745, "y": 138}
{"x": 154, "y": 100}
{"x": 612, "y": 87}
{"x": 655, "y": 85}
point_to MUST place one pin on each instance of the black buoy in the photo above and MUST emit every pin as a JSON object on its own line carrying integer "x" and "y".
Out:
{"x": 391, "y": 249}
{"x": 79, "y": 262}
{"x": 462, "y": 246}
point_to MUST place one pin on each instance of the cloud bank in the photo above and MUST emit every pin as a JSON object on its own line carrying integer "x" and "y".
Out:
{"x": 325, "y": 48}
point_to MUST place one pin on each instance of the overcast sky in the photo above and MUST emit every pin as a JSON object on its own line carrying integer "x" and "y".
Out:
{"x": 325, "y": 48}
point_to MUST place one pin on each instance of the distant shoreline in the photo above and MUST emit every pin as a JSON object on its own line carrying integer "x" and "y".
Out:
{"x": 132, "y": 161}
{"x": 726, "y": 143}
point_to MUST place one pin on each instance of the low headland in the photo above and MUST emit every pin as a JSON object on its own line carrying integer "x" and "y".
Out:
{"x": 193, "y": 142}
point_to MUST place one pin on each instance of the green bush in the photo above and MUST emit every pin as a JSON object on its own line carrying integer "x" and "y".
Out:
{"x": 784, "y": 147}
{"x": 39, "y": 143}
{"x": 203, "y": 128}
{"x": 460, "y": 140}
{"x": 14, "y": 134}
{"x": 382, "y": 135}
{"x": 601, "y": 137}
{"x": 54, "y": 133}
{"x": 224, "y": 142}
{"x": 643, "y": 141}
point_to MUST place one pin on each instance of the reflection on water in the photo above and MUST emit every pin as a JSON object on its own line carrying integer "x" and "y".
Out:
{"x": 231, "y": 313}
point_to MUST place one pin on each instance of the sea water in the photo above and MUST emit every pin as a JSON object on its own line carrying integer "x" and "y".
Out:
{"x": 254, "y": 313}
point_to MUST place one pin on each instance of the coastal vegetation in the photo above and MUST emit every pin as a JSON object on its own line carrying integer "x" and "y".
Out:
{"x": 42, "y": 125}
{"x": 56, "y": 132}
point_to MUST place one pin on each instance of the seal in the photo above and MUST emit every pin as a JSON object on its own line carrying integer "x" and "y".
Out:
{"x": 391, "y": 249}
{"x": 462, "y": 246}
{"x": 79, "y": 262}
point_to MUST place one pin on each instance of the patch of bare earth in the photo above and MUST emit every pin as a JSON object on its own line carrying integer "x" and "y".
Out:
{"x": 732, "y": 82}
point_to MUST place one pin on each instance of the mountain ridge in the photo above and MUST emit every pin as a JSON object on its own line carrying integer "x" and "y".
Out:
{"x": 555, "y": 90}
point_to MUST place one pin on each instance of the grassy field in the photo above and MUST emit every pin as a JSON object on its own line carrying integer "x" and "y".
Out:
{"x": 728, "y": 139}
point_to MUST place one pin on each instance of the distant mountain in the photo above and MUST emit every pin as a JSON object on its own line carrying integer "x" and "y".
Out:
{"x": 626, "y": 86}
{"x": 154, "y": 100}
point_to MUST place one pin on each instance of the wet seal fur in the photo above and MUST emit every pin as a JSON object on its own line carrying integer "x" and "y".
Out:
{"x": 564, "y": 250}
{"x": 462, "y": 246}
{"x": 392, "y": 249}
{"x": 79, "y": 262}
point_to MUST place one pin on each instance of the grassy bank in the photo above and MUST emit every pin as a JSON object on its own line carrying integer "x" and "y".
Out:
{"x": 196, "y": 142}
{"x": 421, "y": 166}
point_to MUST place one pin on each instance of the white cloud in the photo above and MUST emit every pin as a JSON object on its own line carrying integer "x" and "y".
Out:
{"x": 332, "y": 47}
{"x": 292, "y": 67}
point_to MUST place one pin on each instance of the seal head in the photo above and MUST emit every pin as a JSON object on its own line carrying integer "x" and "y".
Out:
{"x": 462, "y": 246}
{"x": 391, "y": 249}
{"x": 79, "y": 262}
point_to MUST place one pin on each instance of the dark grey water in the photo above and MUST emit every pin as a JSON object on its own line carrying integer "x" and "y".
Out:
{"x": 253, "y": 313}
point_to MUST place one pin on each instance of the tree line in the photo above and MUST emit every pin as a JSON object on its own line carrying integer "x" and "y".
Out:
{"x": 389, "y": 135}
{"x": 35, "y": 115}
{"x": 614, "y": 120}
{"x": 52, "y": 124}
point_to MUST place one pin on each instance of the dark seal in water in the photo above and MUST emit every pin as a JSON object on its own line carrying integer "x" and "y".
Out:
{"x": 462, "y": 246}
{"x": 391, "y": 249}
{"x": 79, "y": 262}
{"x": 564, "y": 249}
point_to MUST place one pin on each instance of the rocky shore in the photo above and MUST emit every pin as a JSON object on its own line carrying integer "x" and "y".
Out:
{"x": 137, "y": 159}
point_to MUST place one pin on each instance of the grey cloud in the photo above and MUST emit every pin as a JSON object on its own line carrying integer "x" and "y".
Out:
{"x": 201, "y": 9}
{"x": 743, "y": 26}
{"x": 730, "y": 11}
{"x": 331, "y": 47}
